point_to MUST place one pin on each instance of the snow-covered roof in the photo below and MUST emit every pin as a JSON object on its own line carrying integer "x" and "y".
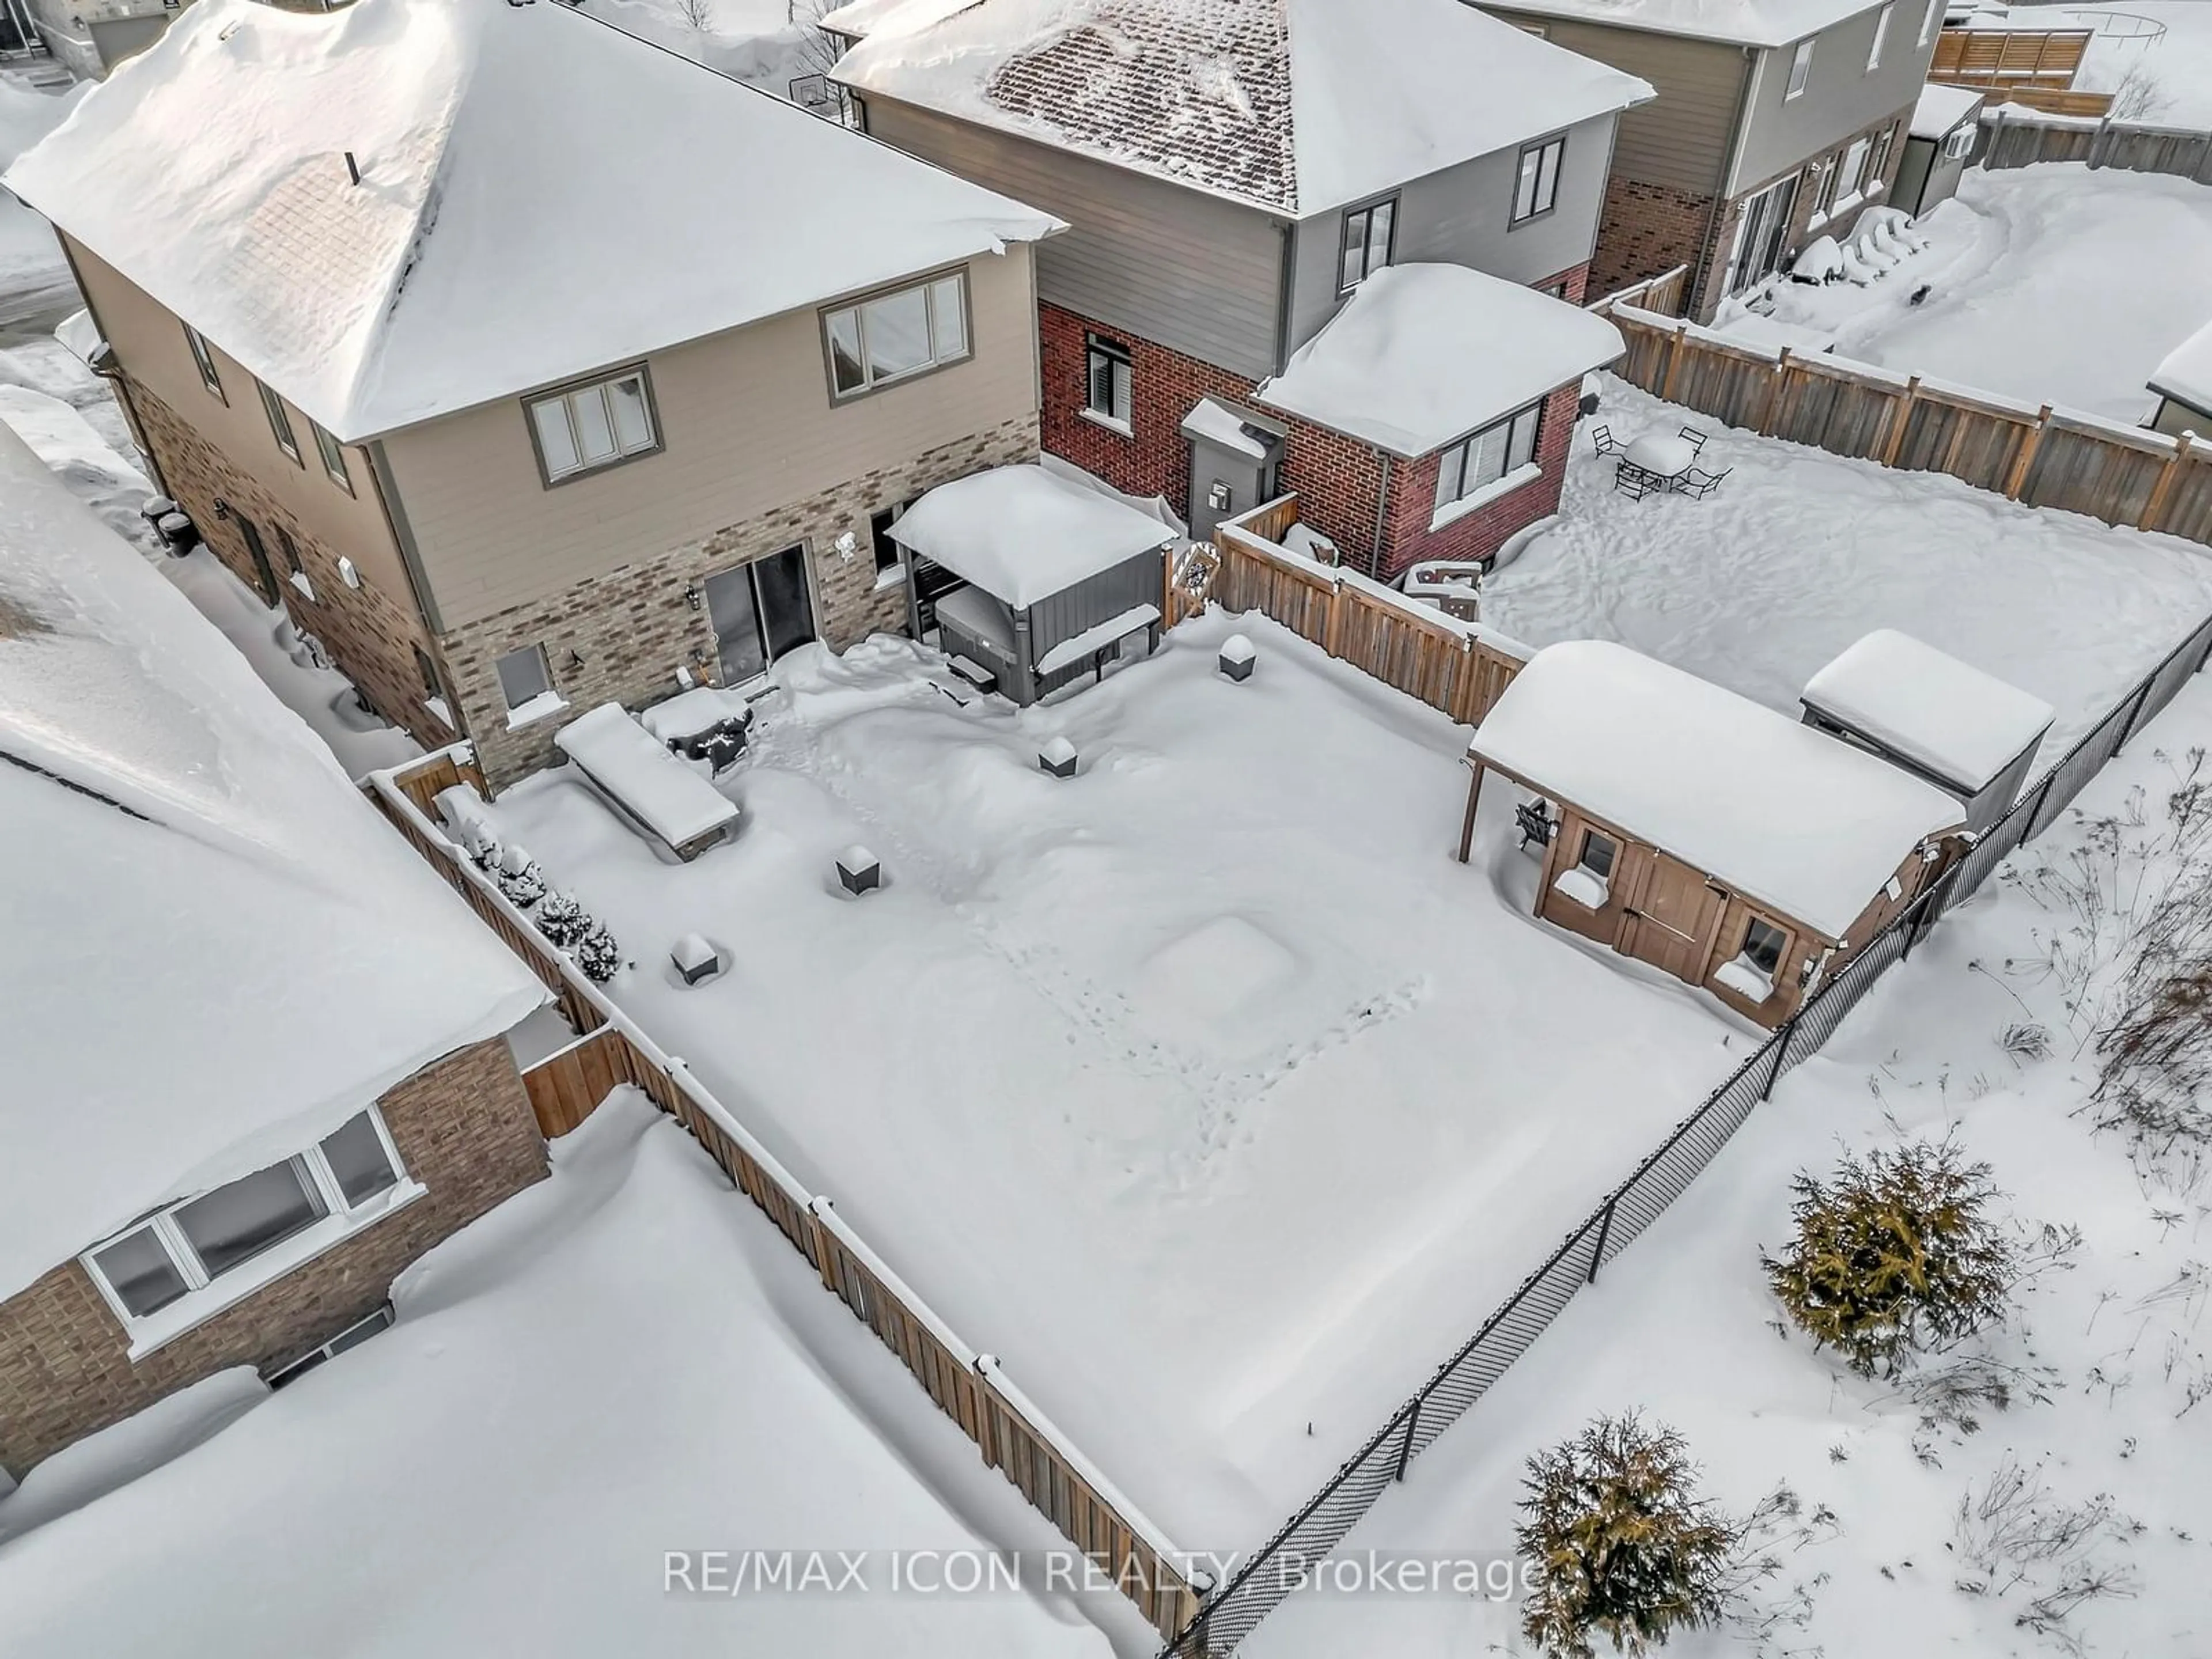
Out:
{"x": 1941, "y": 107}
{"x": 1023, "y": 534}
{"x": 2185, "y": 376}
{"x": 1423, "y": 354}
{"x": 214, "y": 952}
{"x": 1294, "y": 106}
{"x": 861, "y": 18}
{"x": 1788, "y": 816}
{"x": 1949, "y": 716}
{"x": 540, "y": 196}
{"x": 1743, "y": 22}
{"x": 1219, "y": 424}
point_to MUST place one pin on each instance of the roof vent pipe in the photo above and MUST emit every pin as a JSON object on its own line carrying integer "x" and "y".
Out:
{"x": 352, "y": 167}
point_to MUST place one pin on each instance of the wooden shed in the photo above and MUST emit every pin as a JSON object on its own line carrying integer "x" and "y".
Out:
{"x": 1055, "y": 578}
{"x": 1700, "y": 832}
{"x": 1969, "y": 733}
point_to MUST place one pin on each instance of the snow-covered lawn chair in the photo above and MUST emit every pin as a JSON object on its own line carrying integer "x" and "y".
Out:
{"x": 1698, "y": 484}
{"x": 1694, "y": 438}
{"x": 1602, "y": 438}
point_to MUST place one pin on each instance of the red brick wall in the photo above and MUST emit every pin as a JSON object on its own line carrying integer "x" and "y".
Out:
{"x": 464, "y": 1130}
{"x": 1646, "y": 229}
{"x": 1481, "y": 533}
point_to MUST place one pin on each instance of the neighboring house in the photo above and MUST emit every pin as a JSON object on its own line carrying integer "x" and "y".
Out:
{"x": 1234, "y": 171}
{"x": 527, "y": 365}
{"x": 255, "y": 1055}
{"x": 1940, "y": 142}
{"x": 1776, "y": 121}
{"x": 91, "y": 37}
{"x": 2183, "y": 386}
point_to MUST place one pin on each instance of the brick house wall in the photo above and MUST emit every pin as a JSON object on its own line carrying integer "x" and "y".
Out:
{"x": 1479, "y": 533}
{"x": 372, "y": 636}
{"x": 623, "y": 635}
{"x": 463, "y": 1129}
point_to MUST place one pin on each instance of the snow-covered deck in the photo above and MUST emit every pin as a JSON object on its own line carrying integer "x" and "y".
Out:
{"x": 1215, "y": 1100}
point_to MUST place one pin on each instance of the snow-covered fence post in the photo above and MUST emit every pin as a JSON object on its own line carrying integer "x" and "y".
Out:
{"x": 1604, "y": 1232}
{"x": 1781, "y": 1041}
{"x": 1406, "y": 1446}
{"x": 1901, "y": 417}
{"x": 1778, "y": 393}
{"x": 2163, "y": 488}
{"x": 1677, "y": 347}
{"x": 2016, "y": 479}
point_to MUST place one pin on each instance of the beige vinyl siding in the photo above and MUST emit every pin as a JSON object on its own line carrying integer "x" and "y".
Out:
{"x": 1680, "y": 139}
{"x": 746, "y": 426}
{"x": 1841, "y": 96}
{"x": 149, "y": 343}
{"x": 1181, "y": 268}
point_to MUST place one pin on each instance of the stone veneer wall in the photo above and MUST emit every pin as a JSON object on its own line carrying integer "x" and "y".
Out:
{"x": 371, "y": 635}
{"x": 623, "y": 635}
{"x": 464, "y": 1130}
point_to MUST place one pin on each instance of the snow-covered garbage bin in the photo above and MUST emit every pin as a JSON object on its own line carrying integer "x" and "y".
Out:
{"x": 1058, "y": 757}
{"x": 859, "y": 870}
{"x": 1238, "y": 656}
{"x": 696, "y": 959}
{"x": 178, "y": 531}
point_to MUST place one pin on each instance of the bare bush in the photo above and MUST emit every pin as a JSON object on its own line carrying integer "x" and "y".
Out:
{"x": 2020, "y": 1543}
{"x": 2139, "y": 96}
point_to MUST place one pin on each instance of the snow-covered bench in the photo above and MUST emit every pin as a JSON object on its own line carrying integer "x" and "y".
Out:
{"x": 635, "y": 773}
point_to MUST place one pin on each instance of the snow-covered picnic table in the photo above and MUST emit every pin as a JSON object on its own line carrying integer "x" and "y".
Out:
{"x": 634, "y": 771}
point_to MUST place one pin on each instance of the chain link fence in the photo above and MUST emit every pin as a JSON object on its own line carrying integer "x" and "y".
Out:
{"x": 1278, "y": 1567}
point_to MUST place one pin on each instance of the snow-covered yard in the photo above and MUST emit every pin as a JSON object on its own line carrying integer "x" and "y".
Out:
{"x": 2050, "y": 283}
{"x": 2107, "y": 1360}
{"x": 620, "y": 1363}
{"x": 1204, "y": 1088}
{"x": 1800, "y": 553}
{"x": 34, "y": 275}
{"x": 765, "y": 44}
{"x": 2173, "y": 67}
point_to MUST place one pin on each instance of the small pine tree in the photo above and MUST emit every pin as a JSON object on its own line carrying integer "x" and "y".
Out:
{"x": 564, "y": 922}
{"x": 1619, "y": 1543}
{"x": 598, "y": 955}
{"x": 523, "y": 887}
{"x": 1895, "y": 1255}
{"x": 487, "y": 856}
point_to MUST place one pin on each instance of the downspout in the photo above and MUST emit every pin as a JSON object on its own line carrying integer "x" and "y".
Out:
{"x": 1285, "y": 286}
{"x": 1381, "y": 518}
{"x": 1727, "y": 180}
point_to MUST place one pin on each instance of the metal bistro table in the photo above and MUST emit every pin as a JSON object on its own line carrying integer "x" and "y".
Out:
{"x": 1662, "y": 455}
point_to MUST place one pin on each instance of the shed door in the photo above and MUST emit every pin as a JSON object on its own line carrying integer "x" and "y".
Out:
{"x": 1671, "y": 922}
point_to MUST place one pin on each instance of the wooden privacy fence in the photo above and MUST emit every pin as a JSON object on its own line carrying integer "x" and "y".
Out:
{"x": 2012, "y": 140}
{"x": 2039, "y": 457}
{"x": 1663, "y": 294}
{"x": 1457, "y": 666}
{"x": 2003, "y": 59}
{"x": 969, "y": 1387}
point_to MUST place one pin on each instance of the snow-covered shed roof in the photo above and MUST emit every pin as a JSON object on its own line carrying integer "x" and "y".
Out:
{"x": 2185, "y": 376}
{"x": 540, "y": 196}
{"x": 1294, "y": 106}
{"x": 214, "y": 952}
{"x": 1941, "y": 107}
{"x": 1023, "y": 534}
{"x": 1960, "y": 723}
{"x": 1423, "y": 354}
{"x": 1787, "y": 817}
{"x": 1738, "y": 22}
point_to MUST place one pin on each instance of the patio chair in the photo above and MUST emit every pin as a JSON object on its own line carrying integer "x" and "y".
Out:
{"x": 1535, "y": 824}
{"x": 1602, "y": 437}
{"x": 1633, "y": 482}
{"x": 1698, "y": 485}
{"x": 1695, "y": 438}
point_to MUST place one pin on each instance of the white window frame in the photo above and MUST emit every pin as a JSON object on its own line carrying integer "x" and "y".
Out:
{"x": 206, "y": 1294}
{"x": 538, "y": 704}
{"x": 1881, "y": 33}
{"x": 333, "y": 457}
{"x": 280, "y": 423}
{"x": 1102, "y": 352}
{"x": 942, "y": 353}
{"x": 1455, "y": 459}
{"x": 204, "y": 359}
{"x": 1929, "y": 19}
{"x": 1800, "y": 70}
{"x": 1852, "y": 173}
{"x": 1540, "y": 188}
{"x": 1362, "y": 217}
{"x": 1960, "y": 142}
{"x": 568, "y": 400}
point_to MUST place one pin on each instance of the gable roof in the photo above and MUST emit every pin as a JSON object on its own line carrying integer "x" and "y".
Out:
{"x": 540, "y": 196}
{"x": 1737, "y": 22}
{"x": 215, "y": 951}
{"x": 1293, "y": 106}
{"x": 1788, "y": 816}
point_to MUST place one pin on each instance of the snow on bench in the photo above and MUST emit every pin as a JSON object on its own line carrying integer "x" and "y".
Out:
{"x": 1069, "y": 652}
{"x": 632, "y": 769}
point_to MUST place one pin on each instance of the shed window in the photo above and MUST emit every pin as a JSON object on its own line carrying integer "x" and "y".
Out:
{"x": 280, "y": 423}
{"x": 1881, "y": 33}
{"x": 1801, "y": 70}
{"x": 1369, "y": 238}
{"x": 1108, "y": 377}
{"x": 1598, "y": 854}
{"x": 895, "y": 335}
{"x": 1763, "y": 945}
{"x": 1536, "y": 185}
{"x": 598, "y": 424}
{"x": 204, "y": 359}
{"x": 1475, "y": 463}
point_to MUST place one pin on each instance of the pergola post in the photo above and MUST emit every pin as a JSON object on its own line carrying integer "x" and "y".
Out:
{"x": 1473, "y": 799}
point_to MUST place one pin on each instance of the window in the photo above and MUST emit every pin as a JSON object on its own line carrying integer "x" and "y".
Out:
{"x": 897, "y": 334}
{"x": 602, "y": 422}
{"x": 1800, "y": 70}
{"x": 1536, "y": 186}
{"x": 1961, "y": 145}
{"x": 334, "y": 461}
{"x": 1881, "y": 33}
{"x": 1598, "y": 854}
{"x": 1929, "y": 19}
{"x": 524, "y": 678}
{"x": 280, "y": 423}
{"x": 1107, "y": 380}
{"x": 889, "y": 556}
{"x": 1763, "y": 945}
{"x": 203, "y": 357}
{"x": 291, "y": 552}
{"x": 1852, "y": 174}
{"x": 1475, "y": 463}
{"x": 429, "y": 672}
{"x": 1878, "y": 164}
{"x": 1370, "y": 235}
{"x": 190, "y": 1246}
